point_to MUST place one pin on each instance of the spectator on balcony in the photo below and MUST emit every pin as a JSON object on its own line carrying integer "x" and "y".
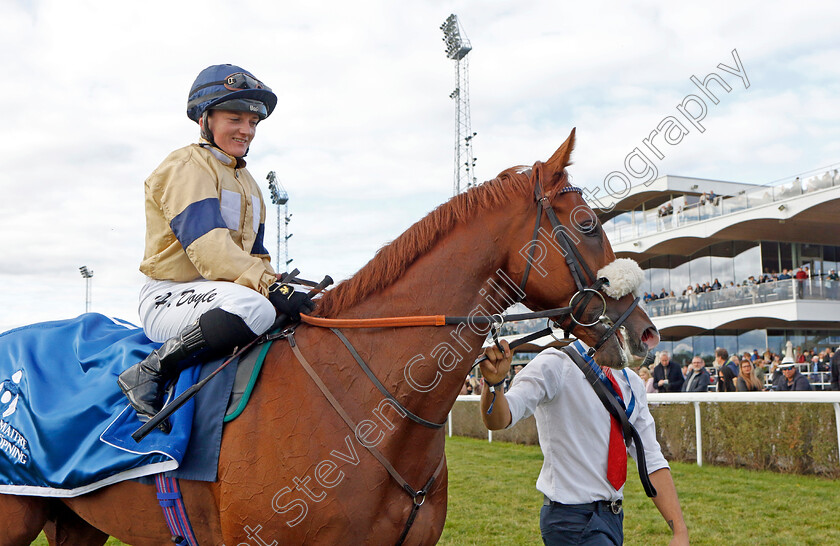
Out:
{"x": 722, "y": 360}
{"x": 644, "y": 373}
{"x": 697, "y": 379}
{"x": 689, "y": 299}
{"x": 735, "y": 364}
{"x": 784, "y": 275}
{"x": 667, "y": 376}
{"x": 663, "y": 294}
{"x": 835, "y": 369}
{"x": 776, "y": 371}
{"x": 714, "y": 198}
{"x": 672, "y": 302}
{"x": 747, "y": 380}
{"x": 726, "y": 379}
{"x": 793, "y": 380}
{"x": 755, "y": 356}
{"x": 801, "y": 276}
{"x": 832, "y": 283}
{"x": 760, "y": 368}
{"x": 699, "y": 299}
{"x": 716, "y": 285}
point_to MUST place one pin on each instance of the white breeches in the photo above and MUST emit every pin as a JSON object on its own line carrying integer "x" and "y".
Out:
{"x": 167, "y": 307}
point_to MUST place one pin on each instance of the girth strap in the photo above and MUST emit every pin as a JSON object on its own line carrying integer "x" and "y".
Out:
{"x": 365, "y": 368}
{"x": 418, "y": 497}
{"x": 174, "y": 511}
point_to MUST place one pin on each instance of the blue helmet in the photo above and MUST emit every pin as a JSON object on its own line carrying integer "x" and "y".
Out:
{"x": 229, "y": 87}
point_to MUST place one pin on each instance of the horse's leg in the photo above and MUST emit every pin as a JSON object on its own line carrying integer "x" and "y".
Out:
{"x": 67, "y": 528}
{"x": 21, "y": 519}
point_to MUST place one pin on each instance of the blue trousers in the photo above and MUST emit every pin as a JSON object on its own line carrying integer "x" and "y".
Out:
{"x": 565, "y": 525}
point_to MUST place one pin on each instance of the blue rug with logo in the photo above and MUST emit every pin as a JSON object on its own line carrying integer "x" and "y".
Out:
{"x": 65, "y": 426}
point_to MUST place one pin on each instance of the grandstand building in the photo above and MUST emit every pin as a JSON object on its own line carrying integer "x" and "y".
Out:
{"x": 690, "y": 231}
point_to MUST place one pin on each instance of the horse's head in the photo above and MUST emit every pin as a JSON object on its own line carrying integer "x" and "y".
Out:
{"x": 564, "y": 259}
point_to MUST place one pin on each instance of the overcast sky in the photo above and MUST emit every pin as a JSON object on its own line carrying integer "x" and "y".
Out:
{"x": 94, "y": 96}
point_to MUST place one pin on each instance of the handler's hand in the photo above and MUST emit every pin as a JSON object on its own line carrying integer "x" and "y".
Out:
{"x": 497, "y": 365}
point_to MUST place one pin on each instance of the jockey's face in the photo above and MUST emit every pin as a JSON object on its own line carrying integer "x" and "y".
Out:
{"x": 233, "y": 131}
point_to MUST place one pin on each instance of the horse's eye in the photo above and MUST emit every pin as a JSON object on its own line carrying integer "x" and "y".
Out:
{"x": 589, "y": 228}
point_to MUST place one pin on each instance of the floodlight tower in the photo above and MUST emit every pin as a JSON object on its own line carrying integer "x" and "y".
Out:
{"x": 87, "y": 275}
{"x": 457, "y": 48}
{"x": 280, "y": 198}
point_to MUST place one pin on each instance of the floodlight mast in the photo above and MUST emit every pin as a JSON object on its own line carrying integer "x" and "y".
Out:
{"x": 457, "y": 48}
{"x": 87, "y": 275}
{"x": 280, "y": 198}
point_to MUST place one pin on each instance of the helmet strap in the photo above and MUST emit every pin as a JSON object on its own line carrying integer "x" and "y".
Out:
{"x": 206, "y": 133}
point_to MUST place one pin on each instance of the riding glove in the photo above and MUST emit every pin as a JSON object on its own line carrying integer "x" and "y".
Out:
{"x": 289, "y": 302}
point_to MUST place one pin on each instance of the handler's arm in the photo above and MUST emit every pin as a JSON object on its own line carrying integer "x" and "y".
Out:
{"x": 668, "y": 504}
{"x": 494, "y": 369}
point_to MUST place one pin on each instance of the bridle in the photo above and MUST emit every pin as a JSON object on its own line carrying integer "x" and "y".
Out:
{"x": 587, "y": 285}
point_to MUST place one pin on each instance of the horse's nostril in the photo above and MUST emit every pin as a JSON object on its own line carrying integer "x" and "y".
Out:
{"x": 650, "y": 337}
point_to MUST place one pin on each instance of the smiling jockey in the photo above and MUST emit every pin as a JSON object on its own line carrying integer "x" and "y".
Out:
{"x": 210, "y": 285}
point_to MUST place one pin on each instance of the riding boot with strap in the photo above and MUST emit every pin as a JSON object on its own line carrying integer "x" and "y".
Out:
{"x": 144, "y": 383}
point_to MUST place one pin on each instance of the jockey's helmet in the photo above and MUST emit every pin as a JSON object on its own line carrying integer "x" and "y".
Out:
{"x": 229, "y": 87}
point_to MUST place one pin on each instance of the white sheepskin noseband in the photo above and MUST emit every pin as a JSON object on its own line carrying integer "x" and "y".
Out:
{"x": 625, "y": 277}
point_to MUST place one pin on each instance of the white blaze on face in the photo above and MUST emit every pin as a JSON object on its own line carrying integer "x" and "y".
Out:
{"x": 625, "y": 277}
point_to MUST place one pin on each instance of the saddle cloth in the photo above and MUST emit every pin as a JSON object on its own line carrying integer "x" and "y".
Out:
{"x": 65, "y": 427}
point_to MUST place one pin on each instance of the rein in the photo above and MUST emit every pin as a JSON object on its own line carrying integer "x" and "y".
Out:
{"x": 586, "y": 290}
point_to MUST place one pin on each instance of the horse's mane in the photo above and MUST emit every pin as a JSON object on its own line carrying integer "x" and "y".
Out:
{"x": 392, "y": 260}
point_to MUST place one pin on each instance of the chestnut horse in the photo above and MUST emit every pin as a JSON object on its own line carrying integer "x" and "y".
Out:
{"x": 291, "y": 470}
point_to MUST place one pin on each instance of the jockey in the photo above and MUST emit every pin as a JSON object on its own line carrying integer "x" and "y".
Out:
{"x": 210, "y": 285}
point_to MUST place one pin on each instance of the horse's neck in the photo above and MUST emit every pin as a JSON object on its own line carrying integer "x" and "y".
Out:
{"x": 425, "y": 367}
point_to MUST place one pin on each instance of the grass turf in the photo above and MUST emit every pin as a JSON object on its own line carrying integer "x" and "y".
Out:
{"x": 492, "y": 500}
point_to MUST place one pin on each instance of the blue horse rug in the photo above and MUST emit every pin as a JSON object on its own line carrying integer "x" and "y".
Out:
{"x": 65, "y": 426}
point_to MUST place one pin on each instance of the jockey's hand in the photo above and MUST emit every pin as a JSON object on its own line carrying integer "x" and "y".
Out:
{"x": 497, "y": 365}
{"x": 289, "y": 302}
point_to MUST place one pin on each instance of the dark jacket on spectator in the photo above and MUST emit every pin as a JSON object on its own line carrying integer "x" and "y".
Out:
{"x": 800, "y": 383}
{"x": 835, "y": 371}
{"x": 701, "y": 384}
{"x": 675, "y": 378}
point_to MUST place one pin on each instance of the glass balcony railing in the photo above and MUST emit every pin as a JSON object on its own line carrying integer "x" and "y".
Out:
{"x": 815, "y": 288}
{"x": 648, "y": 222}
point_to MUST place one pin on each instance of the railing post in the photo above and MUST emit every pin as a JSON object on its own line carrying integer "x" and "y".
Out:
{"x": 837, "y": 423}
{"x": 698, "y": 432}
{"x": 449, "y": 422}
{"x": 489, "y": 435}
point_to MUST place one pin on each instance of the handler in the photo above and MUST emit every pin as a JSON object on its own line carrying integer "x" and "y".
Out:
{"x": 585, "y": 459}
{"x": 210, "y": 285}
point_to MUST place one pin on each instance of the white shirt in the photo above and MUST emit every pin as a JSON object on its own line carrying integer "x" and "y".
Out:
{"x": 574, "y": 427}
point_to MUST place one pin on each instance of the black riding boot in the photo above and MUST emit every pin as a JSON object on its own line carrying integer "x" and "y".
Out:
{"x": 144, "y": 383}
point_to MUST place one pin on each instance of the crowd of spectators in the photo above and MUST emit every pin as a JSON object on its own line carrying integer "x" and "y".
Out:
{"x": 747, "y": 372}
{"x": 691, "y": 299}
{"x": 743, "y": 373}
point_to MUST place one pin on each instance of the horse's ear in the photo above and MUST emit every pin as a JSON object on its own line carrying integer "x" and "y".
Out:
{"x": 560, "y": 159}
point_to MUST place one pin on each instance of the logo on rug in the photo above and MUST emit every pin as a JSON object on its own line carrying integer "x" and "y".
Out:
{"x": 12, "y": 442}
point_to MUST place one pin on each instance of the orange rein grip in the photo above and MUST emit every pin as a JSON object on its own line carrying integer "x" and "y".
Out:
{"x": 385, "y": 322}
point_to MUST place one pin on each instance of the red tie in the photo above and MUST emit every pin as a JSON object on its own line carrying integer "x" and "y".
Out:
{"x": 617, "y": 458}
